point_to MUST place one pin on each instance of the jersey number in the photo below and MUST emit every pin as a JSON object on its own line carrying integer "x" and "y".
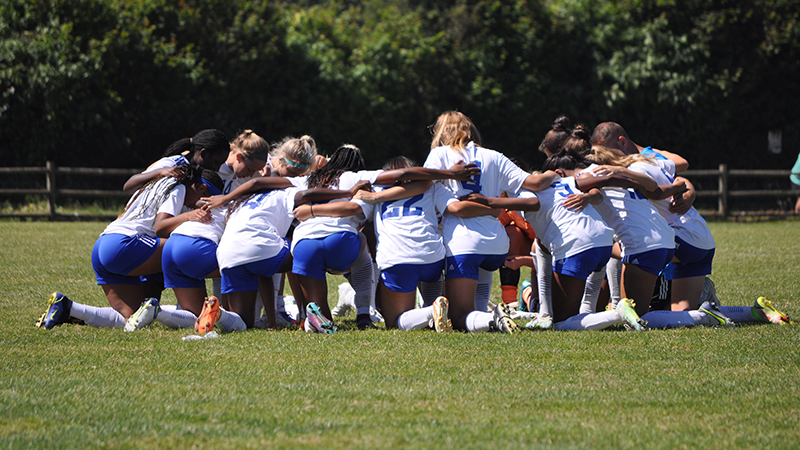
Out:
{"x": 473, "y": 186}
{"x": 406, "y": 210}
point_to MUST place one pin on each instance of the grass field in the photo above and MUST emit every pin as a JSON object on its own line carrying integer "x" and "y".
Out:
{"x": 80, "y": 387}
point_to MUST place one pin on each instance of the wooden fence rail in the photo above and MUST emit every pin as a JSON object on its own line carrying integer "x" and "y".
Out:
{"x": 723, "y": 194}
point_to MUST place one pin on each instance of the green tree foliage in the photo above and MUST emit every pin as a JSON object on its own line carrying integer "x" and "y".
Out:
{"x": 113, "y": 82}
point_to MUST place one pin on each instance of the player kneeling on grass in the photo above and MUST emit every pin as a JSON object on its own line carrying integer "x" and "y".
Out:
{"x": 131, "y": 247}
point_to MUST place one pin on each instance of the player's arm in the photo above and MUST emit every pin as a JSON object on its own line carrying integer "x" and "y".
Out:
{"x": 140, "y": 179}
{"x": 512, "y": 203}
{"x": 335, "y": 209}
{"x": 254, "y": 185}
{"x": 460, "y": 172}
{"x": 399, "y": 192}
{"x": 538, "y": 181}
{"x": 587, "y": 182}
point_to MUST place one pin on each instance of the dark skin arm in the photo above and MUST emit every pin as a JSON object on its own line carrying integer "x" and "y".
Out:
{"x": 516, "y": 204}
{"x": 467, "y": 209}
{"x": 588, "y": 182}
{"x": 336, "y": 209}
{"x": 321, "y": 195}
{"x": 140, "y": 179}
{"x": 460, "y": 172}
{"x": 254, "y": 185}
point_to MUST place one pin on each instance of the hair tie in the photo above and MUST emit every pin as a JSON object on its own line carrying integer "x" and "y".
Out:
{"x": 295, "y": 164}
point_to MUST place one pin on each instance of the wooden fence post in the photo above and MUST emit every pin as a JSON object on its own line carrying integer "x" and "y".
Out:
{"x": 51, "y": 188}
{"x": 723, "y": 190}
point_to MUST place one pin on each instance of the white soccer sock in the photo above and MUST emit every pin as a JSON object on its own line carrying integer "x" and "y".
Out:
{"x": 430, "y": 291}
{"x": 415, "y": 319}
{"x": 478, "y": 321}
{"x": 361, "y": 274}
{"x": 106, "y": 317}
{"x": 172, "y": 317}
{"x": 592, "y": 291}
{"x": 229, "y": 321}
{"x": 675, "y": 319}
{"x": 739, "y": 314}
{"x": 589, "y": 321}
{"x": 483, "y": 290}
{"x": 614, "y": 275}
{"x": 544, "y": 280}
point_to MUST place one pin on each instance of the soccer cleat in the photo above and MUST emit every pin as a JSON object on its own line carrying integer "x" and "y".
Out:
{"x": 502, "y": 319}
{"x": 717, "y": 317}
{"x": 764, "y": 310}
{"x": 317, "y": 322}
{"x": 143, "y": 316}
{"x": 57, "y": 311}
{"x": 540, "y": 323}
{"x": 208, "y": 316}
{"x": 346, "y": 300}
{"x": 525, "y": 293}
{"x": 625, "y": 309}
{"x": 441, "y": 321}
{"x": 709, "y": 293}
{"x": 364, "y": 322}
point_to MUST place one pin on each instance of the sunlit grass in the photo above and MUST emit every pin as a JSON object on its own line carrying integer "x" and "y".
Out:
{"x": 81, "y": 387}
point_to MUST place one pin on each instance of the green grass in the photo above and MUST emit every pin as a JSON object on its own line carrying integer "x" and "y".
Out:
{"x": 691, "y": 388}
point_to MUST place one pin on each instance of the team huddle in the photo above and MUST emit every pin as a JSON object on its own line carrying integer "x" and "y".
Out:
{"x": 604, "y": 215}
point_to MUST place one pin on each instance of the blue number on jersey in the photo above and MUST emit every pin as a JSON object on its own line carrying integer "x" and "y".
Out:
{"x": 562, "y": 189}
{"x": 473, "y": 186}
{"x": 634, "y": 194}
{"x": 405, "y": 210}
{"x": 669, "y": 177}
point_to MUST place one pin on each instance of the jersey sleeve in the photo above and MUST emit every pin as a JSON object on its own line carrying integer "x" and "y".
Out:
{"x": 442, "y": 197}
{"x": 173, "y": 204}
{"x": 512, "y": 174}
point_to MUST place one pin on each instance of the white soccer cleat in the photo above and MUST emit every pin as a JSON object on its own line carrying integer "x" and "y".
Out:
{"x": 143, "y": 316}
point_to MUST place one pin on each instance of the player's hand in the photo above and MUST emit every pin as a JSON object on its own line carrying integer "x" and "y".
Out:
{"x": 215, "y": 201}
{"x": 303, "y": 212}
{"x": 362, "y": 185}
{"x": 514, "y": 262}
{"x": 199, "y": 215}
{"x": 465, "y": 172}
{"x": 576, "y": 202}
{"x": 475, "y": 197}
{"x": 367, "y": 197}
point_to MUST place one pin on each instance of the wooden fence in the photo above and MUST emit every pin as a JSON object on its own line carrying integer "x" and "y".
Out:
{"x": 723, "y": 194}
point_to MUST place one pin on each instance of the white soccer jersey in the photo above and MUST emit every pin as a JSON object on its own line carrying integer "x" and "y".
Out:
{"x": 255, "y": 230}
{"x": 691, "y": 227}
{"x": 319, "y": 227}
{"x": 566, "y": 233}
{"x": 211, "y": 231}
{"x": 406, "y": 229}
{"x": 485, "y": 234}
{"x": 167, "y": 161}
{"x": 636, "y": 223}
{"x": 143, "y": 207}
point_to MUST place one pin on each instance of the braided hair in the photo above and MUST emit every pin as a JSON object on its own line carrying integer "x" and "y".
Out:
{"x": 346, "y": 158}
{"x": 155, "y": 197}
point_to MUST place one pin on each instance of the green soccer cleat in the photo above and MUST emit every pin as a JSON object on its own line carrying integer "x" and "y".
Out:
{"x": 718, "y": 319}
{"x": 764, "y": 311}
{"x": 625, "y": 309}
